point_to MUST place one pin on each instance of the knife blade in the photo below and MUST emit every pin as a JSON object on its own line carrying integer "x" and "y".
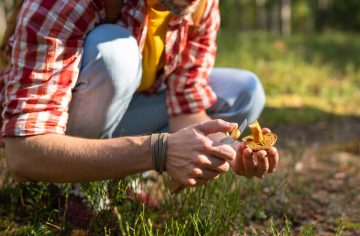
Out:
{"x": 230, "y": 140}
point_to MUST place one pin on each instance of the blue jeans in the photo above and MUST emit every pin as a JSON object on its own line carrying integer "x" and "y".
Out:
{"x": 105, "y": 103}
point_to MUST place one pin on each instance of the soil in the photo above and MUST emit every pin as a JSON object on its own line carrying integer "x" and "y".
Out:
{"x": 321, "y": 168}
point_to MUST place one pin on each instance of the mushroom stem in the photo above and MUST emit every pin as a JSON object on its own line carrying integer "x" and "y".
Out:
{"x": 256, "y": 131}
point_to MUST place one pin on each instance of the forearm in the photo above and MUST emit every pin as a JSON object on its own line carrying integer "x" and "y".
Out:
{"x": 60, "y": 158}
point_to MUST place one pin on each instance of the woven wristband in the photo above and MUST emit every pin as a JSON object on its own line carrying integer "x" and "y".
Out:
{"x": 158, "y": 151}
{"x": 163, "y": 143}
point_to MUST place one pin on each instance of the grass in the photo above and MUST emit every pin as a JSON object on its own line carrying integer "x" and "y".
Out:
{"x": 316, "y": 71}
{"x": 310, "y": 81}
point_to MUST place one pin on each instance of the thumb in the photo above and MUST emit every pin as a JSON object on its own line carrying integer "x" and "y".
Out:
{"x": 214, "y": 126}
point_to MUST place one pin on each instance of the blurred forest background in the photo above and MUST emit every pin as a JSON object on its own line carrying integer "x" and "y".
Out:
{"x": 307, "y": 55}
{"x": 291, "y": 16}
{"x": 275, "y": 16}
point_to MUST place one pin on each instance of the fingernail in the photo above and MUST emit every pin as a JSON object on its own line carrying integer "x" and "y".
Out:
{"x": 262, "y": 153}
{"x": 248, "y": 150}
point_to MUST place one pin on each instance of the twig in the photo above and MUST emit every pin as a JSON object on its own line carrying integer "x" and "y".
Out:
{"x": 52, "y": 225}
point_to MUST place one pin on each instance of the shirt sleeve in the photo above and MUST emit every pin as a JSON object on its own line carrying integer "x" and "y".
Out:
{"x": 188, "y": 90}
{"x": 45, "y": 64}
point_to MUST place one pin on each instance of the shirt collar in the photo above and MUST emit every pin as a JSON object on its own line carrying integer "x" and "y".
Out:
{"x": 139, "y": 14}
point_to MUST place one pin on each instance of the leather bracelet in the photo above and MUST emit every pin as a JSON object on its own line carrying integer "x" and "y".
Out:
{"x": 158, "y": 151}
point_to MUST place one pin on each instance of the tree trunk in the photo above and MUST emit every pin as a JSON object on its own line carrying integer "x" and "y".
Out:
{"x": 275, "y": 24}
{"x": 260, "y": 14}
{"x": 285, "y": 15}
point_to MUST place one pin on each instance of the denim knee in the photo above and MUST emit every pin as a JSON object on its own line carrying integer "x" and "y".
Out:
{"x": 240, "y": 95}
{"x": 109, "y": 76}
{"x": 119, "y": 53}
{"x": 256, "y": 97}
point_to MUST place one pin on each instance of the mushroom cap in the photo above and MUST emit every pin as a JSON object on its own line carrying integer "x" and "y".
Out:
{"x": 268, "y": 141}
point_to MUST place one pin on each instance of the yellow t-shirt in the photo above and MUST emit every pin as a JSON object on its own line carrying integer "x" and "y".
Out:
{"x": 153, "y": 52}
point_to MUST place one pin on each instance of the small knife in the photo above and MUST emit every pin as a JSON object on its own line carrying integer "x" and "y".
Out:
{"x": 230, "y": 140}
{"x": 176, "y": 187}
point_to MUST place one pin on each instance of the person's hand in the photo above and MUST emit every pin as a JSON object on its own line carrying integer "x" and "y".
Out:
{"x": 249, "y": 164}
{"x": 193, "y": 158}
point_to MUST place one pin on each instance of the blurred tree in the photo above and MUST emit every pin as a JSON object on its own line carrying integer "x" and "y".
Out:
{"x": 345, "y": 15}
{"x": 302, "y": 15}
{"x": 273, "y": 13}
{"x": 321, "y": 14}
{"x": 238, "y": 14}
{"x": 260, "y": 12}
{"x": 285, "y": 15}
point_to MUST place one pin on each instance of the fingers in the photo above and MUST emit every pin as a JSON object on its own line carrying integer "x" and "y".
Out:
{"x": 219, "y": 166}
{"x": 249, "y": 163}
{"x": 273, "y": 157}
{"x": 238, "y": 164}
{"x": 205, "y": 169}
{"x": 262, "y": 164}
{"x": 204, "y": 178}
{"x": 212, "y": 163}
{"x": 191, "y": 182}
{"x": 215, "y": 126}
{"x": 225, "y": 152}
{"x": 222, "y": 151}
{"x": 257, "y": 163}
{"x": 205, "y": 174}
{"x": 199, "y": 182}
{"x": 266, "y": 130}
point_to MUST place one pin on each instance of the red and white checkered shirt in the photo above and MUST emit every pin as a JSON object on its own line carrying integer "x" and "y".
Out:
{"x": 46, "y": 52}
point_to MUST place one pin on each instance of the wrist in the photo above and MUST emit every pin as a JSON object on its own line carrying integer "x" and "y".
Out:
{"x": 142, "y": 146}
{"x": 147, "y": 150}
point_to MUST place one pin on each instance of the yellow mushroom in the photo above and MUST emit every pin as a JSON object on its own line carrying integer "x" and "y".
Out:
{"x": 256, "y": 132}
{"x": 257, "y": 140}
{"x": 235, "y": 134}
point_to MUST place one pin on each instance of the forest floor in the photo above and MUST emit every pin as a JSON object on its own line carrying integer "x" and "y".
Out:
{"x": 320, "y": 164}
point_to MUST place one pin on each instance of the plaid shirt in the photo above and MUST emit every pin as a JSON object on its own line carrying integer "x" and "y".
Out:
{"x": 47, "y": 48}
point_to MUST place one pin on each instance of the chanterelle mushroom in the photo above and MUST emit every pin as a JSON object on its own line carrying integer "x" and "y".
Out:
{"x": 257, "y": 140}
